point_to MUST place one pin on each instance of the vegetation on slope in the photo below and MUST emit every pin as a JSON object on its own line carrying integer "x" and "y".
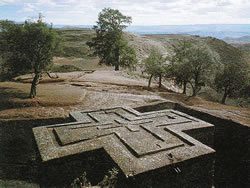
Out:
{"x": 109, "y": 43}
{"x": 73, "y": 42}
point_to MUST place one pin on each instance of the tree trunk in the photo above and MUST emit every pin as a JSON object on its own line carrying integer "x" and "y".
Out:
{"x": 160, "y": 79}
{"x": 196, "y": 88}
{"x": 194, "y": 92}
{"x": 117, "y": 57}
{"x": 223, "y": 100}
{"x": 193, "y": 89}
{"x": 149, "y": 81}
{"x": 184, "y": 88}
{"x": 117, "y": 67}
{"x": 196, "y": 83}
{"x": 34, "y": 84}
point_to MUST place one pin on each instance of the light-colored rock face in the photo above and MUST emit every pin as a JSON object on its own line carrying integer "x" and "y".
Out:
{"x": 144, "y": 45}
{"x": 137, "y": 142}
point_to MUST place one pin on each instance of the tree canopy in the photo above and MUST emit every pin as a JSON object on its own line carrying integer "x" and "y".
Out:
{"x": 109, "y": 44}
{"x": 179, "y": 60}
{"x": 27, "y": 47}
{"x": 13, "y": 47}
{"x": 156, "y": 66}
{"x": 233, "y": 78}
{"x": 193, "y": 63}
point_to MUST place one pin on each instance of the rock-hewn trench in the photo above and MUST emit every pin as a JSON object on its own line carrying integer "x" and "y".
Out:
{"x": 19, "y": 159}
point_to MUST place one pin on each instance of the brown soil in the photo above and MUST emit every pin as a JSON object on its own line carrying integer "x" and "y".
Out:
{"x": 103, "y": 88}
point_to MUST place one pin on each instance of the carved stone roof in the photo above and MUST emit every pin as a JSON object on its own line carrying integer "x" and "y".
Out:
{"x": 137, "y": 142}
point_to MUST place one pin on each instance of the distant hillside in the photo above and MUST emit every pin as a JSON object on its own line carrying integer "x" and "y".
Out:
{"x": 225, "y": 50}
{"x": 240, "y": 40}
{"x": 74, "y": 43}
{"x": 245, "y": 47}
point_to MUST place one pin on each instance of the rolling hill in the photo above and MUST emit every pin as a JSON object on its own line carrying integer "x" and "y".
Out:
{"x": 74, "y": 44}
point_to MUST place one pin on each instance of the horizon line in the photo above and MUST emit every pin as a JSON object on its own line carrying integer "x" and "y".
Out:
{"x": 143, "y": 25}
{"x": 160, "y": 24}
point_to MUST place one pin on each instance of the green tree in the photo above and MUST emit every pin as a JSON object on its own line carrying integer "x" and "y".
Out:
{"x": 193, "y": 63}
{"x": 127, "y": 56}
{"x": 27, "y": 47}
{"x": 232, "y": 79}
{"x": 12, "y": 48}
{"x": 179, "y": 62}
{"x": 203, "y": 64}
{"x": 156, "y": 66}
{"x": 109, "y": 44}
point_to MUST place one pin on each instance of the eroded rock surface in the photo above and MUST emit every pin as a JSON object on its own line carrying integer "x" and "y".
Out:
{"x": 137, "y": 142}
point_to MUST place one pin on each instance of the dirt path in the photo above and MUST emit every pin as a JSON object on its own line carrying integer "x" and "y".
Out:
{"x": 111, "y": 77}
{"x": 102, "y": 88}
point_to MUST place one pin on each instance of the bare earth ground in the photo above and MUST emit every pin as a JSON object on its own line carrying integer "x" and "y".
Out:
{"x": 75, "y": 91}
{"x": 102, "y": 88}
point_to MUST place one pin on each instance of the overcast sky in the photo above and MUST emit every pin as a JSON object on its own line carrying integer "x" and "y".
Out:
{"x": 143, "y": 12}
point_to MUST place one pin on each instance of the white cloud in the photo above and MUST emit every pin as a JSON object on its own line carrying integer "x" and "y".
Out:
{"x": 28, "y": 8}
{"x": 143, "y": 12}
{"x": 6, "y": 2}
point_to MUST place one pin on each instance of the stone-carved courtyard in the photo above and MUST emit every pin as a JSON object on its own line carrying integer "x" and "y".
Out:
{"x": 22, "y": 159}
{"x": 136, "y": 142}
